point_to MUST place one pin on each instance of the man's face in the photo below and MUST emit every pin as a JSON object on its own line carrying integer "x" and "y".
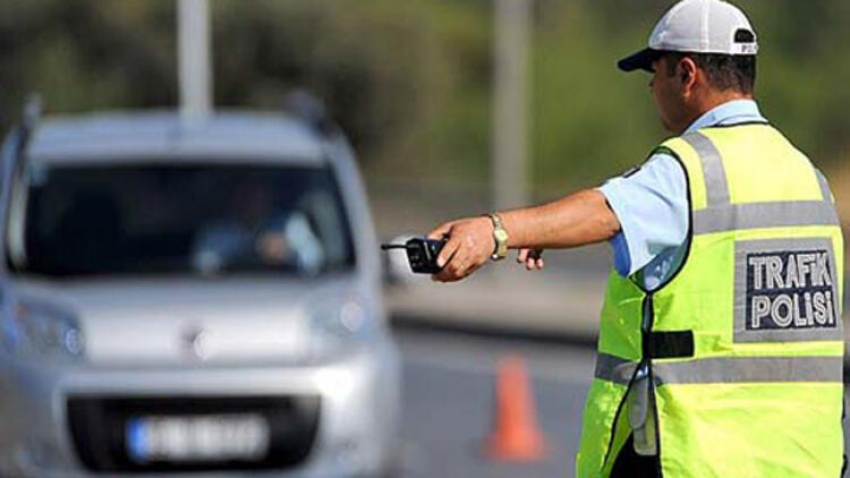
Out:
{"x": 667, "y": 93}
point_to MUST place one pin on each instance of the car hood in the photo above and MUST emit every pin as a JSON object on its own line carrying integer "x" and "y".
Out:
{"x": 146, "y": 321}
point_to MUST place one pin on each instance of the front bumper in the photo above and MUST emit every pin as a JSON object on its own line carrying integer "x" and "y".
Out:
{"x": 357, "y": 396}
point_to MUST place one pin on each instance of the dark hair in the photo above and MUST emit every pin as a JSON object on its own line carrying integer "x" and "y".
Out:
{"x": 724, "y": 72}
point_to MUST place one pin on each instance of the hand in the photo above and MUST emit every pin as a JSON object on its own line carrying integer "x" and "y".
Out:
{"x": 532, "y": 258}
{"x": 469, "y": 244}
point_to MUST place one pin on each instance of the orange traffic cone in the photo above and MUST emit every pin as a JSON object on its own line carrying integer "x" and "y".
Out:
{"x": 516, "y": 435}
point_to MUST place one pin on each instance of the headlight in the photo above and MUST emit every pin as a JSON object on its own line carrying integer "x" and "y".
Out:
{"x": 333, "y": 325}
{"x": 38, "y": 331}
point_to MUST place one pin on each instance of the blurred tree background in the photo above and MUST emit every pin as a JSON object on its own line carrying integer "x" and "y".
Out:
{"x": 410, "y": 80}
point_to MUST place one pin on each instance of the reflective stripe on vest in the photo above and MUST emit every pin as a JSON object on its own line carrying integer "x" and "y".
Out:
{"x": 725, "y": 370}
{"x": 758, "y": 216}
{"x": 721, "y": 216}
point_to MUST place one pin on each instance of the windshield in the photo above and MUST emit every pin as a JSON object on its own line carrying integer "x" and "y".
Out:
{"x": 209, "y": 220}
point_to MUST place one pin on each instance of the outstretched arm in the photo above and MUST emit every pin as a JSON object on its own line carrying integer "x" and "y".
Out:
{"x": 576, "y": 220}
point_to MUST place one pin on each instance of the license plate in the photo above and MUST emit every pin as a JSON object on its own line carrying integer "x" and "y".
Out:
{"x": 203, "y": 438}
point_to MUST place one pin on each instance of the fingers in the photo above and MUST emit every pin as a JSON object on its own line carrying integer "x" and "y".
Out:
{"x": 535, "y": 265}
{"x": 522, "y": 255}
{"x": 531, "y": 258}
{"x": 441, "y": 231}
{"x": 455, "y": 262}
{"x": 447, "y": 253}
{"x": 535, "y": 260}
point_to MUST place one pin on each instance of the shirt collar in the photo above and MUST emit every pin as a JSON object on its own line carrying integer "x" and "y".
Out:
{"x": 732, "y": 112}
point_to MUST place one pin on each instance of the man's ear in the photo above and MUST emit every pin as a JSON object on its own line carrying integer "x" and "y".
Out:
{"x": 687, "y": 71}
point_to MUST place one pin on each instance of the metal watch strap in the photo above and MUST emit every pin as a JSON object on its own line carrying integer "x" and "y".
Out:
{"x": 500, "y": 238}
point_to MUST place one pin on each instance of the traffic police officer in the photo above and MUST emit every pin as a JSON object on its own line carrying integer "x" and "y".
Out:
{"x": 721, "y": 348}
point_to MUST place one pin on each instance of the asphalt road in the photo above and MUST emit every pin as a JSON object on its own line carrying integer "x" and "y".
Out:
{"x": 449, "y": 403}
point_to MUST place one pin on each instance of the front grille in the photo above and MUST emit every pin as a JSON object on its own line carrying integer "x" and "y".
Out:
{"x": 98, "y": 429}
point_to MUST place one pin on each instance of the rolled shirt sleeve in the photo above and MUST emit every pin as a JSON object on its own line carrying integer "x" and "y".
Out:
{"x": 652, "y": 207}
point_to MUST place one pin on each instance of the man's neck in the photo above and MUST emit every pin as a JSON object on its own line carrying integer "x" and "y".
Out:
{"x": 710, "y": 100}
{"x": 716, "y": 98}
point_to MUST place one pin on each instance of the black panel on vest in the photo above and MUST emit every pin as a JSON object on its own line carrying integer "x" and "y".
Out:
{"x": 660, "y": 345}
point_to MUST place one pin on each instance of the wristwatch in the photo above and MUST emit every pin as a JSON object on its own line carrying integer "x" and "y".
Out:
{"x": 500, "y": 237}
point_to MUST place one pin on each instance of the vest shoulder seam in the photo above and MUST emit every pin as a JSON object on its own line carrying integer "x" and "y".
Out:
{"x": 690, "y": 235}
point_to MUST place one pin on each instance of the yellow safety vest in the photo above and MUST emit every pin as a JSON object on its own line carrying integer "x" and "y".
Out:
{"x": 743, "y": 346}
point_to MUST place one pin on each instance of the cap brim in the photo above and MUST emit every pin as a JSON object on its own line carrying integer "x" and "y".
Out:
{"x": 641, "y": 60}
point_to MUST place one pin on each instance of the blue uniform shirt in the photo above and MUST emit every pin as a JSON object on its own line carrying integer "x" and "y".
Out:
{"x": 652, "y": 205}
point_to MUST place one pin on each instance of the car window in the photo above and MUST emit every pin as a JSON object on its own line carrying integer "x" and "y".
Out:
{"x": 199, "y": 220}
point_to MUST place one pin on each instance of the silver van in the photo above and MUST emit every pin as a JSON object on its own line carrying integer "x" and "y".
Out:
{"x": 195, "y": 298}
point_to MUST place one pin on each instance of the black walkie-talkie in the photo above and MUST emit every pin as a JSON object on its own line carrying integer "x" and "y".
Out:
{"x": 422, "y": 253}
